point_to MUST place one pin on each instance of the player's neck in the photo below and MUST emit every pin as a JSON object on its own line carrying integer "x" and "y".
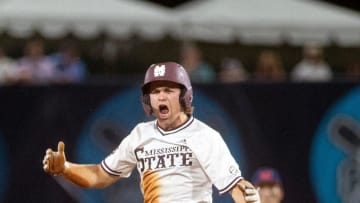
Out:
{"x": 173, "y": 124}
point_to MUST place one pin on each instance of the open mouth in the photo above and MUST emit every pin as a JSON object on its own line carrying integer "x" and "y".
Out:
{"x": 163, "y": 109}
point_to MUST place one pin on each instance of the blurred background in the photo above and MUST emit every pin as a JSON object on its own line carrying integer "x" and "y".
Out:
{"x": 279, "y": 80}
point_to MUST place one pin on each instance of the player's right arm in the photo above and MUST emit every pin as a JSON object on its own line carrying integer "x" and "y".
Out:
{"x": 84, "y": 175}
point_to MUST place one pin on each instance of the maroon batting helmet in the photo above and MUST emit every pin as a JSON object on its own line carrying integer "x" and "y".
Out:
{"x": 167, "y": 71}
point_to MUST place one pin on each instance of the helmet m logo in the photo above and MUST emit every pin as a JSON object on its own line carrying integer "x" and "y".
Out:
{"x": 159, "y": 70}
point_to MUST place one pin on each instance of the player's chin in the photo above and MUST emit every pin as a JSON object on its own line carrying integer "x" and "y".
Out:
{"x": 163, "y": 116}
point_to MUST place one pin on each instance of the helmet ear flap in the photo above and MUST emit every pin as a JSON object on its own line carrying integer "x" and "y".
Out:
{"x": 182, "y": 98}
{"x": 147, "y": 104}
{"x": 146, "y": 99}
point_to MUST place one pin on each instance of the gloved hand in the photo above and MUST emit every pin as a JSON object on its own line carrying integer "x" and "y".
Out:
{"x": 55, "y": 162}
{"x": 252, "y": 195}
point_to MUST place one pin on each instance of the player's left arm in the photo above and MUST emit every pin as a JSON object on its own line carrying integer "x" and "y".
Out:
{"x": 245, "y": 192}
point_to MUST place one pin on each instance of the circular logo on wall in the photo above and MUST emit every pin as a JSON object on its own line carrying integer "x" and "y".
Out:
{"x": 116, "y": 117}
{"x": 335, "y": 153}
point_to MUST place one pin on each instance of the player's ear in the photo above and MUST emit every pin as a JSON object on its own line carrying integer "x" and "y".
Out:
{"x": 282, "y": 193}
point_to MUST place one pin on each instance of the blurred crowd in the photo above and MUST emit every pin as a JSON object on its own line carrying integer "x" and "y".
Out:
{"x": 37, "y": 68}
{"x": 312, "y": 67}
{"x": 66, "y": 66}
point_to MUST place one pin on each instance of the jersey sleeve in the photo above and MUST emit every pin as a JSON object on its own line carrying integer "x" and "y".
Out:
{"x": 217, "y": 162}
{"x": 121, "y": 161}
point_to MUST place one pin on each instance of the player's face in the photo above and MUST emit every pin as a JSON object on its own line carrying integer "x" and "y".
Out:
{"x": 271, "y": 193}
{"x": 164, "y": 98}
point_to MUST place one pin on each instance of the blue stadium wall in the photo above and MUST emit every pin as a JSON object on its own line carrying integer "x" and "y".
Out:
{"x": 283, "y": 125}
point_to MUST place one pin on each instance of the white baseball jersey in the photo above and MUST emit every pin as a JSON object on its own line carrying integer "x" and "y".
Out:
{"x": 178, "y": 165}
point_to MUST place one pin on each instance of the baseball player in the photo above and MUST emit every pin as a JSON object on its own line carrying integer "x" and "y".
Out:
{"x": 270, "y": 186}
{"x": 178, "y": 157}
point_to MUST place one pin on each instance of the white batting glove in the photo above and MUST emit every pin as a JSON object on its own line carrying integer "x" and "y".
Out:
{"x": 252, "y": 195}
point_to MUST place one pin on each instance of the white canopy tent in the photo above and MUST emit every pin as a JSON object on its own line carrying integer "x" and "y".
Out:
{"x": 268, "y": 22}
{"x": 85, "y": 18}
{"x": 249, "y": 21}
